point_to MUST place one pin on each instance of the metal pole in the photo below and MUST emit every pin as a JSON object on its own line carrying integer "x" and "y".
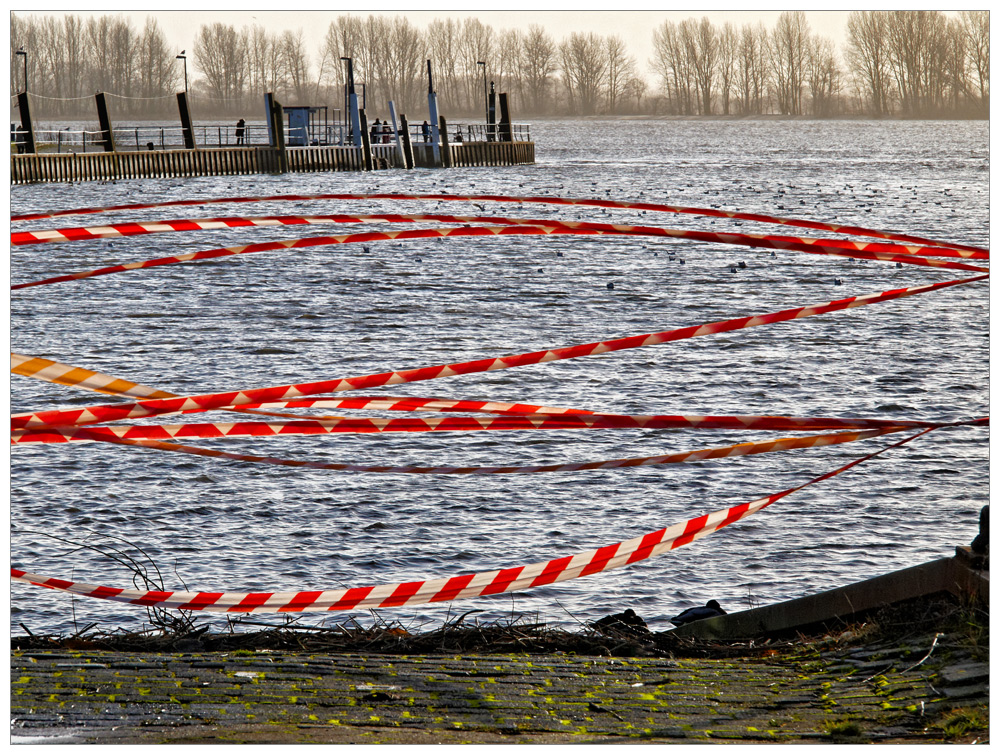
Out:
{"x": 486, "y": 95}
{"x": 434, "y": 122}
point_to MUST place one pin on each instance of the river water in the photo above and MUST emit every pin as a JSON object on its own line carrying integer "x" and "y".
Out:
{"x": 283, "y": 317}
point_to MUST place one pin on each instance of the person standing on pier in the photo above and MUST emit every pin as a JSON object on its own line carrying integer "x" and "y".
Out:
{"x": 386, "y": 132}
{"x": 376, "y": 131}
{"x": 241, "y": 129}
{"x": 426, "y": 131}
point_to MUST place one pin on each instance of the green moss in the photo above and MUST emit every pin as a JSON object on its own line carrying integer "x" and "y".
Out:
{"x": 842, "y": 730}
{"x": 960, "y": 722}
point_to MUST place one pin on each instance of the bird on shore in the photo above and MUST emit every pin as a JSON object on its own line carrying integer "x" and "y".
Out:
{"x": 628, "y": 621}
{"x": 707, "y": 611}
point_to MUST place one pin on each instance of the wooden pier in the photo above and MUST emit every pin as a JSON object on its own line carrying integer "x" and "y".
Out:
{"x": 502, "y": 146}
{"x": 228, "y": 161}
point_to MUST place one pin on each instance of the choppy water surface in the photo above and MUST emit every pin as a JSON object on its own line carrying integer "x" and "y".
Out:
{"x": 276, "y": 318}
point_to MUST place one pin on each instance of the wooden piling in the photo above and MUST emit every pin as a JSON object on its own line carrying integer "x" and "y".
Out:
{"x": 26, "y": 135}
{"x": 186, "y": 122}
{"x": 505, "y": 130}
{"x": 366, "y": 144}
{"x": 404, "y": 132}
{"x": 445, "y": 150}
{"x": 104, "y": 118}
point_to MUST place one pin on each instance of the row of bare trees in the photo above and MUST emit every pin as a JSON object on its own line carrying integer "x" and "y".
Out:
{"x": 909, "y": 63}
{"x": 69, "y": 59}
{"x": 921, "y": 63}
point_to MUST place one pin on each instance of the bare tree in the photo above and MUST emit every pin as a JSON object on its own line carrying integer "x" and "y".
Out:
{"x": 789, "y": 42}
{"x": 295, "y": 62}
{"x": 752, "y": 69}
{"x": 584, "y": 67}
{"x": 508, "y": 59}
{"x": 868, "y": 56}
{"x": 728, "y": 41}
{"x": 975, "y": 27}
{"x": 157, "y": 70}
{"x": 476, "y": 44}
{"x": 670, "y": 60}
{"x": 220, "y": 53}
{"x": 824, "y": 76}
{"x": 404, "y": 64}
{"x": 538, "y": 64}
{"x": 444, "y": 45}
{"x": 702, "y": 50}
{"x": 911, "y": 52}
{"x": 636, "y": 87}
{"x": 621, "y": 70}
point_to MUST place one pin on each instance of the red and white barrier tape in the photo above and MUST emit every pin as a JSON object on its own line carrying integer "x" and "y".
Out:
{"x": 911, "y": 256}
{"x": 79, "y": 377}
{"x": 366, "y": 425}
{"x": 582, "y": 202}
{"x": 442, "y": 589}
{"x": 205, "y": 402}
{"x": 119, "y": 230}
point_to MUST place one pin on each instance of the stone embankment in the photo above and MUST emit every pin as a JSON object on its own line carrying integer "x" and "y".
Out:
{"x": 844, "y": 688}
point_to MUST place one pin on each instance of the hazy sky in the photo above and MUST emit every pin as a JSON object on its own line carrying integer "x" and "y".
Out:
{"x": 635, "y": 27}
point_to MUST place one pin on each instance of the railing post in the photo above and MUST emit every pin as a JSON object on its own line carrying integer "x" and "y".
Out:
{"x": 108, "y": 137}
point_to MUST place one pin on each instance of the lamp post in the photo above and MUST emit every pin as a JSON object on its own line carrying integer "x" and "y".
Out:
{"x": 21, "y": 51}
{"x": 183, "y": 57}
{"x": 486, "y": 96}
{"x": 352, "y": 103}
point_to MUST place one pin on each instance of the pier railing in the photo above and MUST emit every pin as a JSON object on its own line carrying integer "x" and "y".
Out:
{"x": 177, "y": 163}
{"x": 145, "y": 138}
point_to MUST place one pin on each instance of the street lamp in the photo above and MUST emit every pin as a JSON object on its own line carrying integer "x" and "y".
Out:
{"x": 183, "y": 57}
{"x": 21, "y": 52}
{"x": 486, "y": 96}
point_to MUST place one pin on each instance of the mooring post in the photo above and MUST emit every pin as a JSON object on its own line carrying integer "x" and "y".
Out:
{"x": 366, "y": 145}
{"x": 404, "y": 131}
{"x": 432, "y": 107}
{"x": 395, "y": 130}
{"x": 276, "y": 128}
{"x": 107, "y": 135}
{"x": 187, "y": 126}
{"x": 445, "y": 147}
{"x": 26, "y": 136}
{"x": 505, "y": 130}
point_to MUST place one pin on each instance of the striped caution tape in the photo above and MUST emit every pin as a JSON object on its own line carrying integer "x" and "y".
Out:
{"x": 119, "y": 230}
{"x": 205, "y": 402}
{"x": 63, "y": 374}
{"x": 366, "y": 425}
{"x": 810, "y": 246}
{"x": 440, "y": 590}
{"x": 79, "y": 377}
{"x": 603, "y": 203}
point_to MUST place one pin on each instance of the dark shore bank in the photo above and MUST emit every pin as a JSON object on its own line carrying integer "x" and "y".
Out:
{"x": 913, "y": 672}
